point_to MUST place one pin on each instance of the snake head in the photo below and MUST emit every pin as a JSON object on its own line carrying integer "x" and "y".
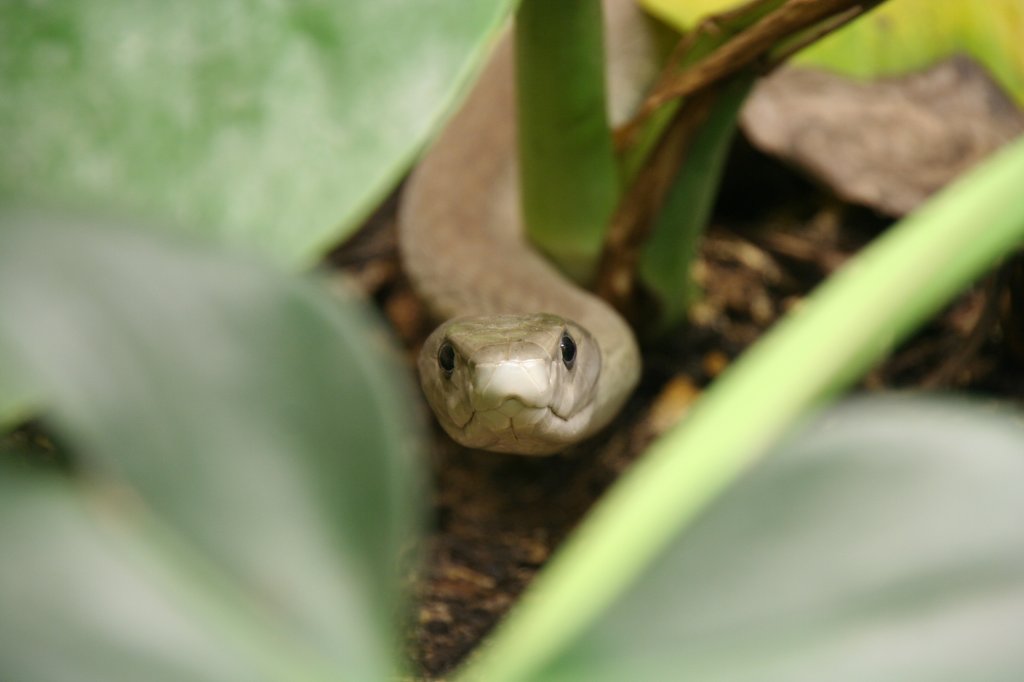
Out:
{"x": 511, "y": 383}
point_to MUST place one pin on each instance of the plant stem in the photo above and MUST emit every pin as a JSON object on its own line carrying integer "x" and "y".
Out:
{"x": 793, "y": 17}
{"x": 712, "y": 66}
{"x": 653, "y": 237}
{"x": 569, "y": 173}
{"x": 667, "y": 258}
{"x": 850, "y": 323}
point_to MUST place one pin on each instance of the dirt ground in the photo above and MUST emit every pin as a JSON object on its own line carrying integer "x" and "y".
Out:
{"x": 774, "y": 237}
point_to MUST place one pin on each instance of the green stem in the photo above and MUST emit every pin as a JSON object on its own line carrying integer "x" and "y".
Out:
{"x": 568, "y": 167}
{"x": 667, "y": 258}
{"x": 845, "y": 327}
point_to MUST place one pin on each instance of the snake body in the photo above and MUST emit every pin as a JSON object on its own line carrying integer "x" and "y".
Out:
{"x": 496, "y": 373}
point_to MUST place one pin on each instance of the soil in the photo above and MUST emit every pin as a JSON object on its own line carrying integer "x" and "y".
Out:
{"x": 774, "y": 237}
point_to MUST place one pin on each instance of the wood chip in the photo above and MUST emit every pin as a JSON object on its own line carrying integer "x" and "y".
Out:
{"x": 672, "y": 404}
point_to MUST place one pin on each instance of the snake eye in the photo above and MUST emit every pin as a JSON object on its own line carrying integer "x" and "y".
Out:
{"x": 446, "y": 358}
{"x": 568, "y": 348}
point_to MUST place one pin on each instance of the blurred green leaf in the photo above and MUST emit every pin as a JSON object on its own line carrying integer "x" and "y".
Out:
{"x": 277, "y": 126}
{"x": 901, "y": 36}
{"x": 254, "y": 414}
{"x": 883, "y": 542}
{"x": 684, "y": 14}
{"x": 18, "y": 394}
{"x": 91, "y": 592}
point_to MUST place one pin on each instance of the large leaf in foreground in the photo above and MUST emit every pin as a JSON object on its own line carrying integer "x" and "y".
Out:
{"x": 882, "y": 543}
{"x": 18, "y": 394}
{"x": 92, "y": 591}
{"x": 255, "y": 415}
{"x": 278, "y": 126}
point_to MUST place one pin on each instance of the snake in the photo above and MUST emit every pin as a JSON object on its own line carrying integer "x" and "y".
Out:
{"x": 525, "y": 362}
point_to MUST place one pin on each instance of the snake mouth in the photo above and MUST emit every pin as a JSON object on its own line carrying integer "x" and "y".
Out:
{"x": 503, "y": 410}
{"x": 513, "y": 427}
{"x": 499, "y": 420}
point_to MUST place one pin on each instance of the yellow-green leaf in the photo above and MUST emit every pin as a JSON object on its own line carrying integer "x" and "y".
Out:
{"x": 901, "y": 36}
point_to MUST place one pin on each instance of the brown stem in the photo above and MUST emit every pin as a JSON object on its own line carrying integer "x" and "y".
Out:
{"x": 632, "y": 221}
{"x": 745, "y": 49}
{"x": 749, "y": 51}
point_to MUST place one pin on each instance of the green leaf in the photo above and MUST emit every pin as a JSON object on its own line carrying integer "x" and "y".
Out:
{"x": 93, "y": 590}
{"x": 900, "y": 36}
{"x": 276, "y": 126}
{"x": 685, "y": 14}
{"x": 881, "y": 543}
{"x": 254, "y": 414}
{"x": 18, "y": 395}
